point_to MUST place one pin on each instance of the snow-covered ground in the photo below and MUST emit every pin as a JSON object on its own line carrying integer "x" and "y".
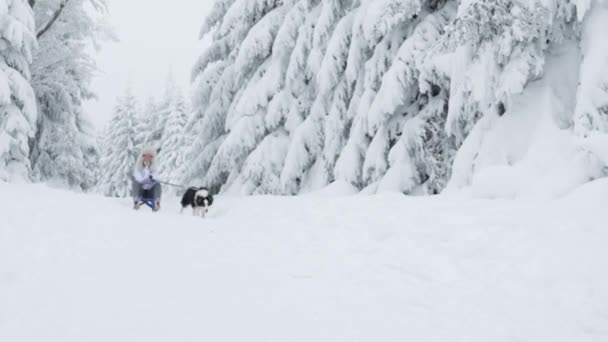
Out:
{"x": 77, "y": 268}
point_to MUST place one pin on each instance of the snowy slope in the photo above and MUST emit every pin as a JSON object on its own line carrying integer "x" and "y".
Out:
{"x": 312, "y": 268}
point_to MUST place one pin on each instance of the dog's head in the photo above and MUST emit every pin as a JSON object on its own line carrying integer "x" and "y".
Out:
{"x": 201, "y": 198}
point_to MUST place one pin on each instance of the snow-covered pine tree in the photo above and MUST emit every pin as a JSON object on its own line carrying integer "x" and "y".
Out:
{"x": 304, "y": 167}
{"x": 379, "y": 94}
{"x": 119, "y": 150}
{"x": 145, "y": 122}
{"x": 245, "y": 122}
{"x": 590, "y": 119}
{"x": 349, "y": 165}
{"x": 174, "y": 139}
{"x": 90, "y": 150}
{"x": 262, "y": 170}
{"x": 490, "y": 53}
{"x": 106, "y": 152}
{"x": 375, "y": 163}
{"x": 269, "y": 98}
{"x": 231, "y": 129}
{"x": 18, "y": 113}
{"x": 408, "y": 114}
{"x": 334, "y": 76}
{"x": 591, "y": 113}
{"x": 203, "y": 85}
{"x": 62, "y": 71}
{"x": 159, "y": 113}
{"x": 284, "y": 96}
{"x": 498, "y": 47}
{"x": 71, "y": 154}
{"x": 212, "y": 131}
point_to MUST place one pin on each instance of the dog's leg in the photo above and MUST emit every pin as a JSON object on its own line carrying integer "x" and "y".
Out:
{"x": 193, "y": 211}
{"x": 181, "y": 210}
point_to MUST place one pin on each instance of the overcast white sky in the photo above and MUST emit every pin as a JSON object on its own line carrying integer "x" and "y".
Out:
{"x": 155, "y": 36}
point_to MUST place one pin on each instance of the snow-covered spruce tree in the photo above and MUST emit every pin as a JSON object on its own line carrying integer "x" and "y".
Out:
{"x": 119, "y": 150}
{"x": 211, "y": 131}
{"x": 244, "y": 47}
{"x": 106, "y": 152}
{"x": 146, "y": 122}
{"x": 244, "y": 123}
{"x": 211, "y": 104}
{"x": 265, "y": 98}
{"x": 174, "y": 139}
{"x": 349, "y": 164}
{"x": 203, "y": 85}
{"x": 375, "y": 162}
{"x": 379, "y": 94}
{"x": 332, "y": 79}
{"x": 497, "y": 47}
{"x": 379, "y": 29}
{"x": 252, "y": 122}
{"x": 158, "y": 113}
{"x": 64, "y": 149}
{"x": 100, "y": 139}
{"x": 304, "y": 166}
{"x": 292, "y": 104}
{"x": 399, "y": 88}
{"x": 262, "y": 170}
{"x": 590, "y": 118}
{"x": 420, "y": 161}
{"x": 591, "y": 113}
{"x": 214, "y": 83}
{"x": 408, "y": 114}
{"x": 18, "y": 113}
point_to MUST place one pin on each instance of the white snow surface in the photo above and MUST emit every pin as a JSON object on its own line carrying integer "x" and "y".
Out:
{"x": 77, "y": 267}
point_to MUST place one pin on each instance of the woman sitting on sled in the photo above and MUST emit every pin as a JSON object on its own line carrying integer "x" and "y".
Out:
{"x": 146, "y": 188}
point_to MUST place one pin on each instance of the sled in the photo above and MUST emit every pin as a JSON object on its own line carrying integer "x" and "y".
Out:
{"x": 144, "y": 199}
{"x": 147, "y": 201}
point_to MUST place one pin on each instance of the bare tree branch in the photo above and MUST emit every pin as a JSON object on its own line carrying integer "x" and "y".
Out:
{"x": 52, "y": 20}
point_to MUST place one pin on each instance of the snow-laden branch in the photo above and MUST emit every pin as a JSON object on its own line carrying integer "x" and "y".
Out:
{"x": 51, "y": 21}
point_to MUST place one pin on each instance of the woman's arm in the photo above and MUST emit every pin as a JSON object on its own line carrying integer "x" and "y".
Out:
{"x": 138, "y": 175}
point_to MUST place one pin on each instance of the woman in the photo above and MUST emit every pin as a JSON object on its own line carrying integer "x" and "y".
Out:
{"x": 145, "y": 179}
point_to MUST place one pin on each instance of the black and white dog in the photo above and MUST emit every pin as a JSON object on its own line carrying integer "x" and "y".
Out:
{"x": 200, "y": 199}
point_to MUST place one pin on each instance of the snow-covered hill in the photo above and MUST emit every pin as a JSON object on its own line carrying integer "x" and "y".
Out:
{"x": 312, "y": 268}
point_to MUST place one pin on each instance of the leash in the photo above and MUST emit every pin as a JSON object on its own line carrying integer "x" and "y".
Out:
{"x": 173, "y": 185}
